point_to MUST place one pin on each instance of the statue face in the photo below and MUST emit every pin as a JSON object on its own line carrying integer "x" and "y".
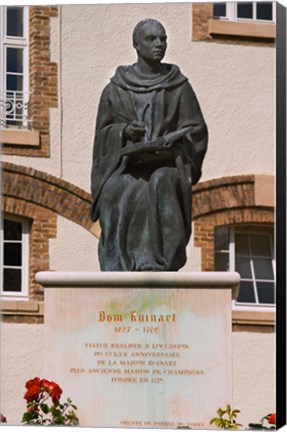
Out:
{"x": 151, "y": 42}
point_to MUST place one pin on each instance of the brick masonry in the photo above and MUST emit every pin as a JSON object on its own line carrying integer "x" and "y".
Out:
{"x": 201, "y": 13}
{"x": 42, "y": 81}
{"x": 22, "y": 319}
{"x": 219, "y": 194}
{"x": 48, "y": 192}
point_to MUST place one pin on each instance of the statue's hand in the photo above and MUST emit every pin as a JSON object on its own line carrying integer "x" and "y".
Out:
{"x": 135, "y": 131}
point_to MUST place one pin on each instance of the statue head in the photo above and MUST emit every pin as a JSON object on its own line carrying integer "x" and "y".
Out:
{"x": 149, "y": 40}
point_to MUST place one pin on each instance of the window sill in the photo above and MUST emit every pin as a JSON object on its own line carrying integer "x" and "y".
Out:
{"x": 254, "y": 318}
{"x": 20, "y": 137}
{"x": 244, "y": 29}
{"x": 18, "y": 307}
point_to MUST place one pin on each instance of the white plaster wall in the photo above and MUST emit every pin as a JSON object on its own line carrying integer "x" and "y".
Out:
{"x": 235, "y": 86}
{"x": 254, "y": 390}
{"x": 193, "y": 256}
{"x": 22, "y": 358}
{"x": 74, "y": 249}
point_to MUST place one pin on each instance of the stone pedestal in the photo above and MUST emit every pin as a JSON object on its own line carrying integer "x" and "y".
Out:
{"x": 141, "y": 349}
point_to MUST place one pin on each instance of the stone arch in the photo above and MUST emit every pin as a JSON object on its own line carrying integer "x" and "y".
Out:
{"x": 47, "y": 191}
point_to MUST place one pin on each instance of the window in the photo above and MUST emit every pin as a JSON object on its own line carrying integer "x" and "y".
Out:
{"x": 14, "y": 58}
{"x": 245, "y": 11}
{"x": 251, "y": 23}
{"x": 14, "y": 257}
{"x": 249, "y": 251}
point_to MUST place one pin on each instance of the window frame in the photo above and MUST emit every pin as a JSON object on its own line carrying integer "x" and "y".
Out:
{"x": 21, "y": 42}
{"x": 257, "y": 230}
{"x": 231, "y": 13}
{"x": 24, "y": 293}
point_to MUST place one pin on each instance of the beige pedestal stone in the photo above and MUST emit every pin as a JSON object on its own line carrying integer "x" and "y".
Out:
{"x": 140, "y": 349}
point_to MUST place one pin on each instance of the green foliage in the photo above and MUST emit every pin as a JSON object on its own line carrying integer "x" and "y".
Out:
{"x": 27, "y": 417}
{"x": 57, "y": 414}
{"x": 44, "y": 408}
{"x": 227, "y": 422}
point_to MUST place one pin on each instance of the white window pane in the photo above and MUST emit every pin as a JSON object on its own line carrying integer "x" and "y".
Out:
{"x": 241, "y": 244}
{"x": 264, "y": 11}
{"x": 219, "y": 9}
{"x": 13, "y": 254}
{"x": 246, "y": 293}
{"x": 266, "y": 292}
{"x": 253, "y": 261}
{"x": 15, "y": 21}
{"x": 14, "y": 60}
{"x": 221, "y": 261}
{"x": 243, "y": 267}
{"x": 263, "y": 268}
{"x": 260, "y": 245}
{"x": 12, "y": 280}
{"x": 222, "y": 238}
{"x": 12, "y": 230}
{"x": 245, "y": 10}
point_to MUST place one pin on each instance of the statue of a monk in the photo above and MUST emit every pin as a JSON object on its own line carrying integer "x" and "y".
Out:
{"x": 149, "y": 146}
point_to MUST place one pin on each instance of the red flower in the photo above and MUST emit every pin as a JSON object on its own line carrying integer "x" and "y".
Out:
{"x": 2, "y": 419}
{"x": 33, "y": 389}
{"x": 272, "y": 419}
{"x": 45, "y": 384}
{"x": 56, "y": 392}
{"x": 32, "y": 393}
{"x": 32, "y": 382}
{"x": 52, "y": 388}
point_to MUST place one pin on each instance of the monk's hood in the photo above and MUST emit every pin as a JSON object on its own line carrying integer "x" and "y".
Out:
{"x": 129, "y": 78}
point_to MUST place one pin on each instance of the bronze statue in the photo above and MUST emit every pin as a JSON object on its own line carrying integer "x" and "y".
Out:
{"x": 149, "y": 146}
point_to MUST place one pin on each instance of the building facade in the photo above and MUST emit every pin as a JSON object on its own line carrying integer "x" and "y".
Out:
{"x": 56, "y": 61}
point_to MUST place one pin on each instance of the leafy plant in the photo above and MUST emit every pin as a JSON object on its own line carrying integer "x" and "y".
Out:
{"x": 39, "y": 412}
{"x": 227, "y": 422}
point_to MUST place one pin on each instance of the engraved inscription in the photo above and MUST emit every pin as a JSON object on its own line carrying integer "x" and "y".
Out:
{"x": 139, "y": 347}
{"x": 137, "y": 317}
{"x": 138, "y": 362}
